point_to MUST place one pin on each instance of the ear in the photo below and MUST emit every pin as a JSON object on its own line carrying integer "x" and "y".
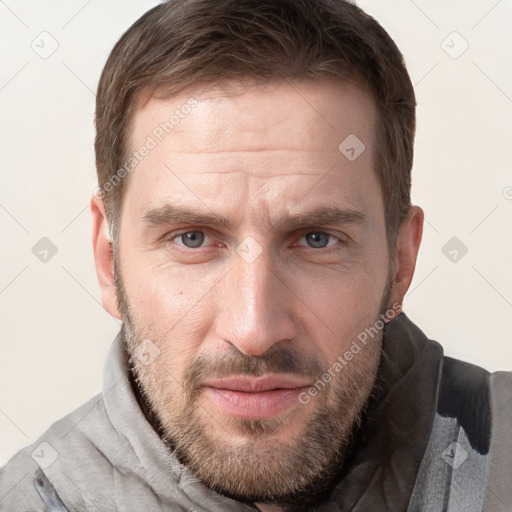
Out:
{"x": 104, "y": 257}
{"x": 408, "y": 244}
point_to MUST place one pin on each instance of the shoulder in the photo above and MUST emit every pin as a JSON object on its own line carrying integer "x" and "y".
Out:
{"x": 464, "y": 395}
{"x": 481, "y": 401}
{"x": 498, "y": 495}
{"x": 23, "y": 483}
{"x": 469, "y": 454}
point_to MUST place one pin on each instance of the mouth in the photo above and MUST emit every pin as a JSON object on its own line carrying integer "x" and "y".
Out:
{"x": 256, "y": 398}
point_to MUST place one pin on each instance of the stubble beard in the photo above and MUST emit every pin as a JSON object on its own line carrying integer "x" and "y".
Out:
{"x": 264, "y": 467}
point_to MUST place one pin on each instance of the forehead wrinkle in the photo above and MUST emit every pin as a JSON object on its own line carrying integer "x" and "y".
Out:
{"x": 228, "y": 101}
{"x": 261, "y": 164}
{"x": 248, "y": 173}
{"x": 256, "y": 150}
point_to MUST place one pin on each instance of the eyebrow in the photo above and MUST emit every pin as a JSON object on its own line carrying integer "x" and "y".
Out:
{"x": 171, "y": 214}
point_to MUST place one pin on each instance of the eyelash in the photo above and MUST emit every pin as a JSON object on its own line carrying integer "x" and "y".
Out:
{"x": 173, "y": 236}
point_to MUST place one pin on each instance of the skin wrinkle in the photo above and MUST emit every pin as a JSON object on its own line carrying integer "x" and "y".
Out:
{"x": 294, "y": 309}
{"x": 253, "y": 175}
{"x": 257, "y": 150}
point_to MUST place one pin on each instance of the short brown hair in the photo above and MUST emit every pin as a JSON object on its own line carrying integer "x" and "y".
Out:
{"x": 182, "y": 42}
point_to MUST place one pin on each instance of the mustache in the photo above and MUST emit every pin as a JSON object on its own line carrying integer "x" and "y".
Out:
{"x": 277, "y": 359}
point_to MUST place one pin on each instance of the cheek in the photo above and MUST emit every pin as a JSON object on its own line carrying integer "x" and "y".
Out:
{"x": 343, "y": 305}
{"x": 172, "y": 306}
{"x": 168, "y": 297}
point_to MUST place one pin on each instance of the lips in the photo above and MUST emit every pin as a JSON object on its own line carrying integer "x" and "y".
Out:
{"x": 255, "y": 398}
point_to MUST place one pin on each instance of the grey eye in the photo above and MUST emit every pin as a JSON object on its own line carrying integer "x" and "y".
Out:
{"x": 192, "y": 239}
{"x": 317, "y": 239}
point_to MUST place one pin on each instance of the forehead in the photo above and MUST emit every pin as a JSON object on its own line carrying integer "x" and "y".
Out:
{"x": 262, "y": 143}
{"x": 229, "y": 115}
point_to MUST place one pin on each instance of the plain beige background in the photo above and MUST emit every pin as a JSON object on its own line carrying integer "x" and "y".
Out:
{"x": 54, "y": 331}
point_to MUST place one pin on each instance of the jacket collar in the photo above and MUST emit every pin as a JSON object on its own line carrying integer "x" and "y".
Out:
{"x": 381, "y": 470}
{"x": 166, "y": 477}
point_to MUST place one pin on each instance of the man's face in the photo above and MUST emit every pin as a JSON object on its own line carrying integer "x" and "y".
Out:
{"x": 241, "y": 318}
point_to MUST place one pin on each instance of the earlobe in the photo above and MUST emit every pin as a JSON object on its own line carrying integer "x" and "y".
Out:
{"x": 103, "y": 257}
{"x": 408, "y": 244}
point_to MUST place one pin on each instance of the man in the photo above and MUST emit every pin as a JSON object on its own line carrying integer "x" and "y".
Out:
{"x": 253, "y": 229}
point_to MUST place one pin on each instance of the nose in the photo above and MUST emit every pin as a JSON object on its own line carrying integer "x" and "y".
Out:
{"x": 255, "y": 306}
